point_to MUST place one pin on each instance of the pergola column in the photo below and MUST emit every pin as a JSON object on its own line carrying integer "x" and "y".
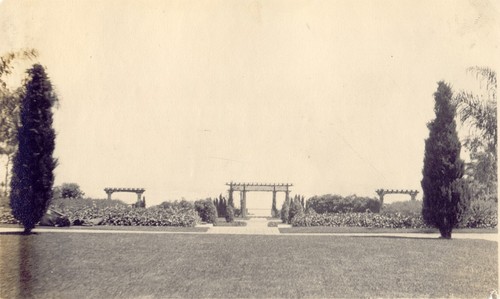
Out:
{"x": 244, "y": 203}
{"x": 139, "y": 196}
{"x": 381, "y": 196}
{"x": 109, "y": 194}
{"x": 230, "y": 197}
{"x": 287, "y": 194}
{"x": 273, "y": 208}
{"x": 413, "y": 196}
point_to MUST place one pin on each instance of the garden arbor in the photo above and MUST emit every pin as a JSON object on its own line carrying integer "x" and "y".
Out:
{"x": 243, "y": 188}
{"x": 382, "y": 192}
{"x": 138, "y": 191}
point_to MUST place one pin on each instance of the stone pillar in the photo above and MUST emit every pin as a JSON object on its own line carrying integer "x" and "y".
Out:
{"x": 413, "y": 196}
{"x": 244, "y": 204}
{"x": 230, "y": 197}
{"x": 109, "y": 194}
{"x": 381, "y": 195}
{"x": 139, "y": 196}
{"x": 287, "y": 193}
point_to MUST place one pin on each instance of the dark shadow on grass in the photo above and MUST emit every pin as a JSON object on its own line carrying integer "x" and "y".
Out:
{"x": 18, "y": 233}
{"x": 401, "y": 237}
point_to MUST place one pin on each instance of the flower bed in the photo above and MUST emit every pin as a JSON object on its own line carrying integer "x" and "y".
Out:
{"x": 103, "y": 212}
{"x": 359, "y": 220}
{"x": 374, "y": 220}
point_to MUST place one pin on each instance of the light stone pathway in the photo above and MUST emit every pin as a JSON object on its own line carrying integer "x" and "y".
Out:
{"x": 255, "y": 226}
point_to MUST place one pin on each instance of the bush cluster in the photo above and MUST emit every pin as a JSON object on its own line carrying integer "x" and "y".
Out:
{"x": 206, "y": 210}
{"x": 481, "y": 214}
{"x": 337, "y": 204}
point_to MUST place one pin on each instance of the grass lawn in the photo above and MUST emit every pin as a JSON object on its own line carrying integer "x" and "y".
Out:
{"x": 331, "y": 229}
{"x": 66, "y": 265}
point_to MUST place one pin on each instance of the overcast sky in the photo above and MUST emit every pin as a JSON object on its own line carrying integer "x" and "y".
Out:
{"x": 180, "y": 97}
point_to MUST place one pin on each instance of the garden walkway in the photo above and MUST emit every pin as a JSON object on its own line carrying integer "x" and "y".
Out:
{"x": 255, "y": 226}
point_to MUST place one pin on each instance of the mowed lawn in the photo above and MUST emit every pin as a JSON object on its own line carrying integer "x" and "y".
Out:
{"x": 88, "y": 265}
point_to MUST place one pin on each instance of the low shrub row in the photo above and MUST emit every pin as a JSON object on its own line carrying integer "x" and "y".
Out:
{"x": 6, "y": 216}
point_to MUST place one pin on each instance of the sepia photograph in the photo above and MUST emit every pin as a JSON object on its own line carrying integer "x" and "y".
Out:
{"x": 249, "y": 149}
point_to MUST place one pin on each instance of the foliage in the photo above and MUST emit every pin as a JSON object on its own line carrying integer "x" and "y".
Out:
{"x": 221, "y": 205}
{"x": 180, "y": 205}
{"x": 479, "y": 113}
{"x": 285, "y": 211}
{"x": 337, "y": 204}
{"x": 206, "y": 210}
{"x": 295, "y": 209}
{"x": 68, "y": 190}
{"x": 33, "y": 177}
{"x": 410, "y": 207}
{"x": 481, "y": 214}
{"x": 229, "y": 214}
{"x": 443, "y": 168}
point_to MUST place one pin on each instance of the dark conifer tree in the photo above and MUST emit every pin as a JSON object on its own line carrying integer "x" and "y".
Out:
{"x": 33, "y": 167}
{"x": 217, "y": 205}
{"x": 443, "y": 204}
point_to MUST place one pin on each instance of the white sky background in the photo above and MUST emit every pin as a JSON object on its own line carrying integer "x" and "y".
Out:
{"x": 180, "y": 97}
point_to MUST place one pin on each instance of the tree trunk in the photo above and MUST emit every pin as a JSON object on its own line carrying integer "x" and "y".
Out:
{"x": 7, "y": 176}
{"x": 27, "y": 230}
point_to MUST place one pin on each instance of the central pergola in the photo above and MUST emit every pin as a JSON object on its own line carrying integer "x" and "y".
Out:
{"x": 243, "y": 188}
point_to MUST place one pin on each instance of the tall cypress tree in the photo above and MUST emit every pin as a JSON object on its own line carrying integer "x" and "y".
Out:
{"x": 443, "y": 168}
{"x": 32, "y": 172}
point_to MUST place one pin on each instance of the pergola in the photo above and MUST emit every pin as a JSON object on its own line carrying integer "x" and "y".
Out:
{"x": 138, "y": 191}
{"x": 243, "y": 188}
{"x": 382, "y": 192}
